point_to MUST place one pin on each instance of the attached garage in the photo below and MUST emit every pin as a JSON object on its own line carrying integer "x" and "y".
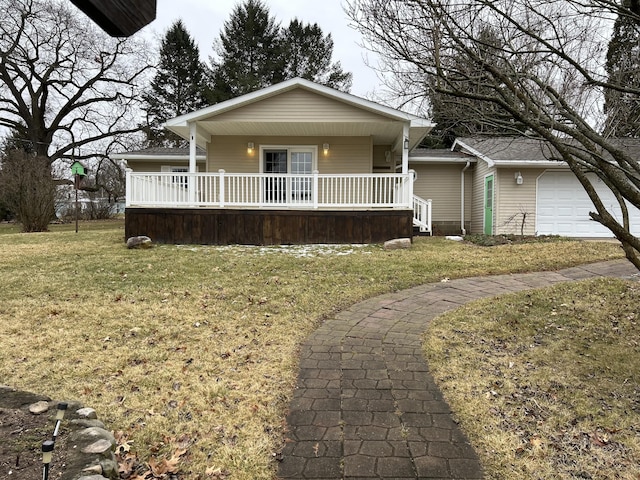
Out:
{"x": 563, "y": 207}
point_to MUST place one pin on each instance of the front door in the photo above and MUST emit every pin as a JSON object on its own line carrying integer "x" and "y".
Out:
{"x": 296, "y": 161}
{"x": 488, "y": 205}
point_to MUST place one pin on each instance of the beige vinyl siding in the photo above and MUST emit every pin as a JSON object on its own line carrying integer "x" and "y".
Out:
{"x": 346, "y": 154}
{"x": 477, "y": 210}
{"x": 299, "y": 105}
{"x": 442, "y": 184}
{"x": 380, "y": 162}
{"x": 513, "y": 201}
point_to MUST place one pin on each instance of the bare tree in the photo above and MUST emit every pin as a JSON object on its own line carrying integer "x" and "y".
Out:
{"x": 546, "y": 73}
{"x": 66, "y": 88}
{"x": 30, "y": 193}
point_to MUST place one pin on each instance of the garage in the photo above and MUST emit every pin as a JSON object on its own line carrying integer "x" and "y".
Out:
{"x": 563, "y": 207}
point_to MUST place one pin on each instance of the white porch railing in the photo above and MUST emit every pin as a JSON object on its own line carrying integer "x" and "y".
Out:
{"x": 222, "y": 190}
{"x": 422, "y": 214}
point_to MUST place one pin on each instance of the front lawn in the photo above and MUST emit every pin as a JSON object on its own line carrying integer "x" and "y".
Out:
{"x": 192, "y": 349}
{"x": 546, "y": 383}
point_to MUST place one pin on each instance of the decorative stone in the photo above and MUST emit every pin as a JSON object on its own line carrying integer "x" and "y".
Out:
{"x": 455, "y": 238}
{"x": 140, "y": 241}
{"x": 94, "y": 469}
{"x": 92, "y": 434}
{"x": 397, "y": 243}
{"x": 86, "y": 423}
{"x": 87, "y": 413}
{"x": 98, "y": 447}
{"x": 110, "y": 469}
{"x": 39, "y": 407}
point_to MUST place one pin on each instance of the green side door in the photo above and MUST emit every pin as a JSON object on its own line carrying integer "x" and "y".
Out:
{"x": 488, "y": 205}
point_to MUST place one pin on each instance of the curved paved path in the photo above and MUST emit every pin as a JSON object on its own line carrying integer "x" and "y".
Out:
{"x": 366, "y": 406}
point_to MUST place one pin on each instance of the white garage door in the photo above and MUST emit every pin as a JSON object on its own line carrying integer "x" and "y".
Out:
{"x": 564, "y": 206}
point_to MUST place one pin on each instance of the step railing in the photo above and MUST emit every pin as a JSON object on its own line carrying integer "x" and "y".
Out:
{"x": 422, "y": 214}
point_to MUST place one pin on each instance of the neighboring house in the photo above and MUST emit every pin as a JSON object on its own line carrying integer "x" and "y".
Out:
{"x": 511, "y": 186}
{"x": 296, "y": 162}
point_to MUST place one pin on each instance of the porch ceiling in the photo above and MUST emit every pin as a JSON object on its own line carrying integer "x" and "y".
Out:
{"x": 383, "y": 133}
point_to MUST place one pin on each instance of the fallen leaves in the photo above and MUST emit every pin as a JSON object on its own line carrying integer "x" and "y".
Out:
{"x": 130, "y": 467}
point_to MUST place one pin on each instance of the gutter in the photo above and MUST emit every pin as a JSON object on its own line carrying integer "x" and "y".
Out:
{"x": 462, "y": 229}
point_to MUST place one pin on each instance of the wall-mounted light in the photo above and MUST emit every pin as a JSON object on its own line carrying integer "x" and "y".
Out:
{"x": 387, "y": 156}
{"x": 325, "y": 148}
{"x": 406, "y": 143}
{"x": 519, "y": 179}
{"x": 250, "y": 147}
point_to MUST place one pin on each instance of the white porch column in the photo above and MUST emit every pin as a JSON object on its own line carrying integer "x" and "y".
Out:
{"x": 405, "y": 148}
{"x": 192, "y": 162}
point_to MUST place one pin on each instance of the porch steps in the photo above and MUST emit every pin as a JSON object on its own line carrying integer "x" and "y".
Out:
{"x": 422, "y": 215}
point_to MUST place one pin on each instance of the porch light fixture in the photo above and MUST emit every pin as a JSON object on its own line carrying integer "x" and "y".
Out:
{"x": 519, "y": 179}
{"x": 250, "y": 147}
{"x": 325, "y": 148}
{"x": 406, "y": 143}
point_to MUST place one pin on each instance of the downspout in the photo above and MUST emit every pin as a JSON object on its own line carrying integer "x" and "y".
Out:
{"x": 462, "y": 229}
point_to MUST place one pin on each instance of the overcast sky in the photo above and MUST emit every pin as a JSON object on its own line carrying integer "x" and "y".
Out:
{"x": 204, "y": 20}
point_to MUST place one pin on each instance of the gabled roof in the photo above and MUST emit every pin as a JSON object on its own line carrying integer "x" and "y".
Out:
{"x": 419, "y": 126}
{"x": 509, "y": 151}
{"x": 525, "y": 151}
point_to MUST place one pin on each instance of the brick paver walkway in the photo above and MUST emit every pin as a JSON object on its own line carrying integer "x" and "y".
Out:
{"x": 366, "y": 406}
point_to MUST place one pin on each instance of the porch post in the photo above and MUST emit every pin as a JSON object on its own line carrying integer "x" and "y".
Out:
{"x": 405, "y": 148}
{"x": 128, "y": 187}
{"x": 192, "y": 163}
{"x": 314, "y": 191}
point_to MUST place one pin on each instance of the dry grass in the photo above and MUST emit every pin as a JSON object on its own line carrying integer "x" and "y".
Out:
{"x": 196, "y": 346}
{"x": 546, "y": 383}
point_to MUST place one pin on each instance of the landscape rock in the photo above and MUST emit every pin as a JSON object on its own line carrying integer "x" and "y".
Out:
{"x": 98, "y": 447}
{"x": 87, "y": 423}
{"x": 39, "y": 407}
{"x": 140, "y": 241}
{"x": 397, "y": 243}
{"x": 87, "y": 413}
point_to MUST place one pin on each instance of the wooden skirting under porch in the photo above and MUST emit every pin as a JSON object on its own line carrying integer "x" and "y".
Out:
{"x": 203, "y": 226}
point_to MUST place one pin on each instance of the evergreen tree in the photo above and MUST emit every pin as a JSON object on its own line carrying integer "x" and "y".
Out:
{"x": 469, "y": 114}
{"x": 178, "y": 86}
{"x": 249, "y": 52}
{"x": 254, "y": 52}
{"x": 623, "y": 69}
{"x": 307, "y": 53}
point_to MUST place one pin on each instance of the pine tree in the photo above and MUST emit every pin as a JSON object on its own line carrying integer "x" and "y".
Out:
{"x": 249, "y": 52}
{"x": 460, "y": 116}
{"x": 254, "y": 52}
{"x": 623, "y": 69}
{"x": 307, "y": 54}
{"x": 178, "y": 87}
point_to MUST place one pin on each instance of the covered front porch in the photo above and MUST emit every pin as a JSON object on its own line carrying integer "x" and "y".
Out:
{"x": 267, "y": 209}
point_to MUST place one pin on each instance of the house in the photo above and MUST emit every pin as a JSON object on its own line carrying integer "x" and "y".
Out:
{"x": 296, "y": 162}
{"x": 510, "y": 185}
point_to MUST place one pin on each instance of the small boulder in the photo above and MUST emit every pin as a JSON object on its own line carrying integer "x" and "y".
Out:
{"x": 87, "y": 413}
{"x": 39, "y": 407}
{"x": 397, "y": 243}
{"x": 140, "y": 241}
